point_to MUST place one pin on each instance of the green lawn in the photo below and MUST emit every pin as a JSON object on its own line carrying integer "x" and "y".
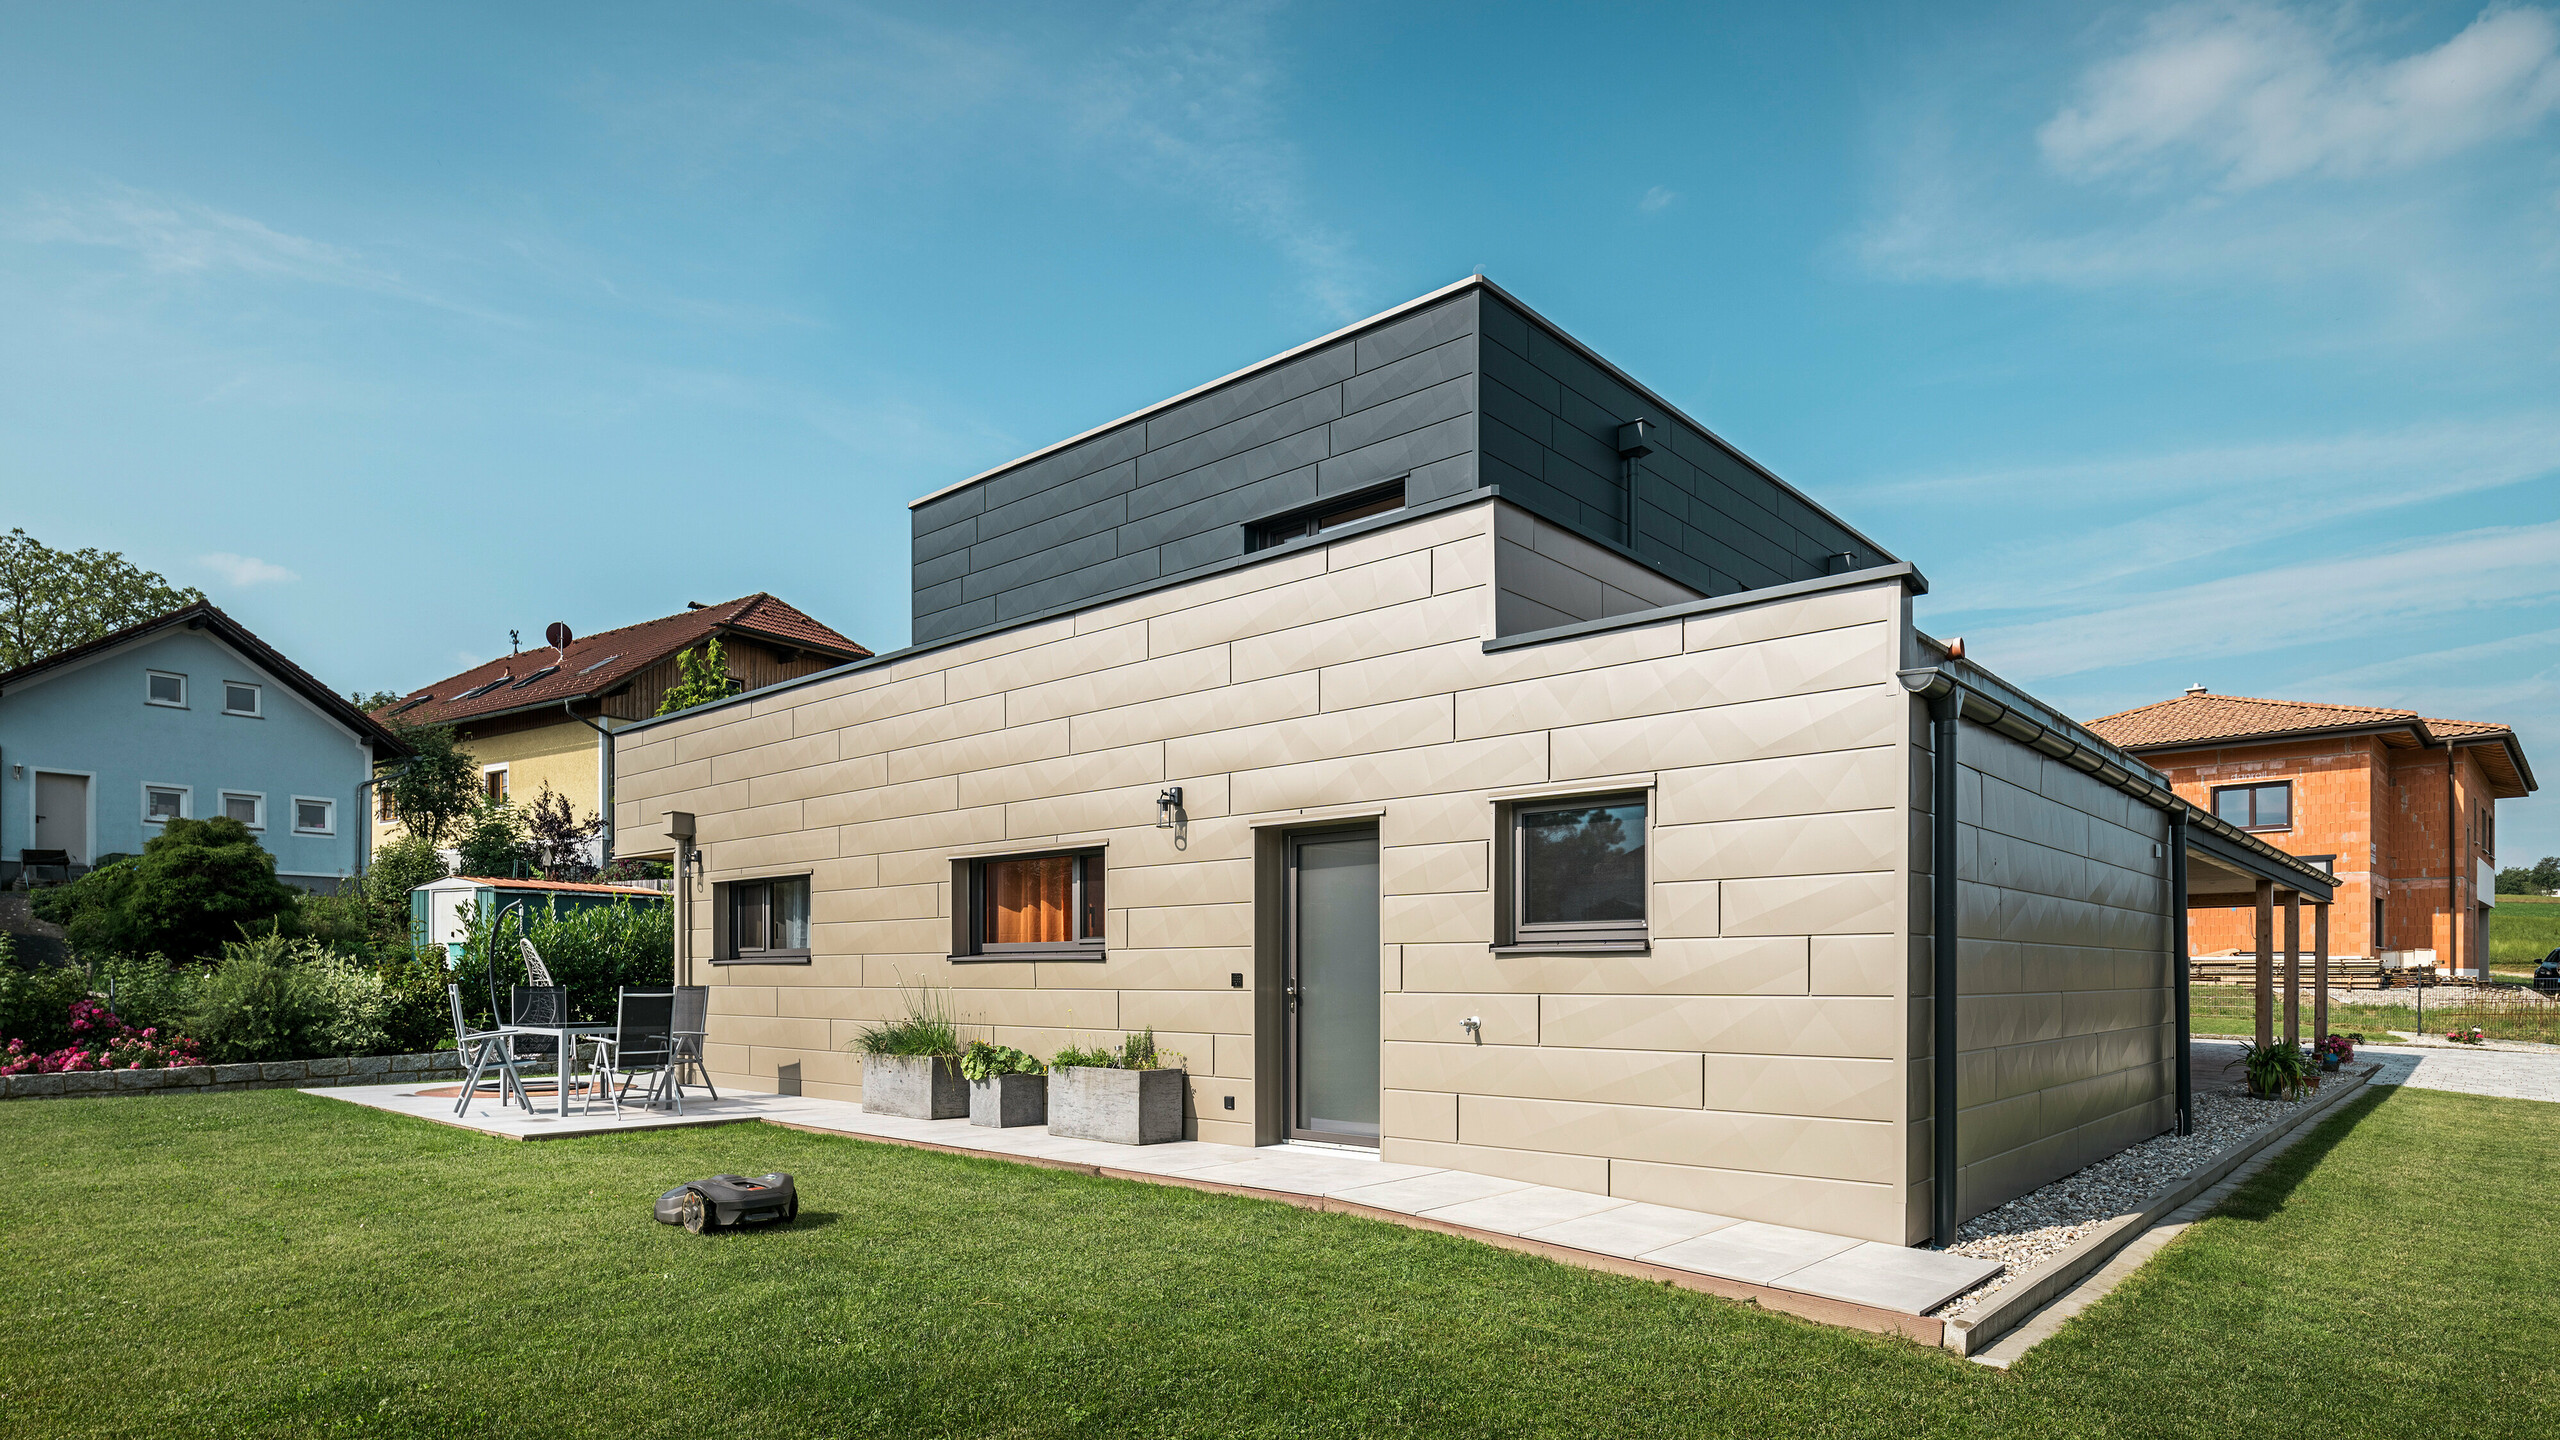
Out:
{"x": 279, "y": 1264}
{"x": 2522, "y": 929}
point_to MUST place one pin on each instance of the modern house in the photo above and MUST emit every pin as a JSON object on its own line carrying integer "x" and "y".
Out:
{"x": 2401, "y": 808}
{"x": 187, "y": 715}
{"x": 1455, "y": 750}
{"x": 539, "y": 718}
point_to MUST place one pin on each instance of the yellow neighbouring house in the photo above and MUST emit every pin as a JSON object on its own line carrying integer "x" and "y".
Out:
{"x": 540, "y": 717}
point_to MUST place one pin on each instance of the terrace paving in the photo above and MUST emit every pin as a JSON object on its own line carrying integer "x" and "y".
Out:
{"x": 1832, "y": 1267}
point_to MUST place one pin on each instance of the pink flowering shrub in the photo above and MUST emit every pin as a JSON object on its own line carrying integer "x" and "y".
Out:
{"x": 101, "y": 1041}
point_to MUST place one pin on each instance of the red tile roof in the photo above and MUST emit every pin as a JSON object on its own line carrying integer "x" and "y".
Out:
{"x": 500, "y": 882}
{"x": 595, "y": 664}
{"x": 2202, "y": 718}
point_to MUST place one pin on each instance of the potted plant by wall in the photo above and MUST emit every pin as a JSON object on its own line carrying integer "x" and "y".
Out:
{"x": 911, "y": 1065}
{"x": 1007, "y": 1087}
{"x": 1131, "y": 1096}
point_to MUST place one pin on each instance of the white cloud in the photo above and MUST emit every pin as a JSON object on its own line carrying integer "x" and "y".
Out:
{"x": 1656, "y": 200}
{"x": 2475, "y": 571}
{"x": 2256, "y": 93}
{"x": 243, "y": 571}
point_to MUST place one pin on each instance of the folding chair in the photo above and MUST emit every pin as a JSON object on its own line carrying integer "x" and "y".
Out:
{"x": 478, "y": 1048}
{"x": 684, "y": 1041}
{"x": 636, "y": 1044}
{"x": 538, "y": 1005}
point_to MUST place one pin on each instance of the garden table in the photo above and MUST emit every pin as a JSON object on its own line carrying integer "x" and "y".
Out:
{"x": 567, "y": 1033}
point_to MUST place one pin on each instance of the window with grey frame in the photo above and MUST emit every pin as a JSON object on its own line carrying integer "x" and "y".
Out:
{"x": 1575, "y": 873}
{"x": 2255, "y": 807}
{"x": 1029, "y": 907}
{"x": 764, "y": 920}
{"x": 1316, "y": 519}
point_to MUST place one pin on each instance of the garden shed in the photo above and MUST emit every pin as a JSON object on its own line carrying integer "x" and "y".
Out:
{"x": 440, "y": 911}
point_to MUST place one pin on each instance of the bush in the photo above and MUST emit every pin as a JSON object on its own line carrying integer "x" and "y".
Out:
{"x": 146, "y": 990}
{"x": 400, "y": 867}
{"x": 594, "y": 950}
{"x": 263, "y": 1003}
{"x": 35, "y": 1005}
{"x": 493, "y": 842}
{"x": 984, "y": 1061}
{"x": 417, "y": 1018}
{"x": 197, "y": 885}
{"x": 101, "y": 1040}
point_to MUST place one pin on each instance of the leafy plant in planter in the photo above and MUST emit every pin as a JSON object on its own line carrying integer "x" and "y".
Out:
{"x": 1007, "y": 1087}
{"x": 911, "y": 1065}
{"x": 1129, "y": 1096}
{"x": 2275, "y": 1070}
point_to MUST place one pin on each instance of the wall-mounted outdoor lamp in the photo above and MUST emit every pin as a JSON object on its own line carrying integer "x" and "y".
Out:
{"x": 1635, "y": 441}
{"x": 1168, "y": 805}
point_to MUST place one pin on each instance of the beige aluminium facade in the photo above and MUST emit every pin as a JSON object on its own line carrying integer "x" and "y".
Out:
{"x": 1446, "y": 675}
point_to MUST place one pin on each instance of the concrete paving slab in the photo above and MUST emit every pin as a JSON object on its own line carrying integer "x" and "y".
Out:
{"x": 1518, "y": 1212}
{"x": 1632, "y": 1230}
{"x": 1896, "y": 1277}
{"x": 1304, "y": 1177}
{"x": 1752, "y": 1251}
{"x": 1430, "y": 1192}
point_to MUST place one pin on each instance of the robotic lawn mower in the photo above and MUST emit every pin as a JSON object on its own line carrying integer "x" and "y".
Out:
{"x": 701, "y": 1206}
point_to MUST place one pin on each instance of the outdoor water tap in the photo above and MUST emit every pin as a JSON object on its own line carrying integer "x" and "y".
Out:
{"x": 1474, "y": 1027}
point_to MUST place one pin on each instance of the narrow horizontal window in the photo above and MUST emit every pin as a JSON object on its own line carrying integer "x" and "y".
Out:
{"x": 2255, "y": 807}
{"x": 167, "y": 689}
{"x": 1030, "y": 906}
{"x": 1578, "y": 873}
{"x": 1316, "y": 519}
{"x": 239, "y": 699}
{"x": 766, "y": 919}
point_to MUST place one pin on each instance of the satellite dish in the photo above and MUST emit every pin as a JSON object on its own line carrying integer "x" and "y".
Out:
{"x": 558, "y": 635}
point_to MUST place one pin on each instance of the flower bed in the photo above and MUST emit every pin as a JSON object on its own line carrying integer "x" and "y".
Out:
{"x": 101, "y": 1041}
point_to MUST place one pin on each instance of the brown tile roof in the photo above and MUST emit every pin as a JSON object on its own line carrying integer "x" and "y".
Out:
{"x": 2203, "y": 718}
{"x": 595, "y": 664}
{"x": 2194, "y": 718}
{"x": 205, "y": 614}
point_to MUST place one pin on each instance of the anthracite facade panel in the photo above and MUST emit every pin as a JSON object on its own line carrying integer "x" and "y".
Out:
{"x": 1467, "y": 393}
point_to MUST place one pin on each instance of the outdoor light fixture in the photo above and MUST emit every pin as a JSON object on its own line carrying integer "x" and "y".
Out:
{"x": 1168, "y": 804}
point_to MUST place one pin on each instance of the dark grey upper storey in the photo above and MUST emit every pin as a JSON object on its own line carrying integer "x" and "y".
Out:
{"x": 1471, "y": 391}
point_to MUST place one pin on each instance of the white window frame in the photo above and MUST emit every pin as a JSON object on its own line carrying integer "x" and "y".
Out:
{"x": 186, "y": 803}
{"x": 257, "y": 699}
{"x": 149, "y": 699}
{"x": 498, "y": 769}
{"x": 257, "y": 796}
{"x": 330, "y": 804}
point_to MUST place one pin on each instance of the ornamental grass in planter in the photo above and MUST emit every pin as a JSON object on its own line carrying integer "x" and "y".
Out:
{"x": 1007, "y": 1087}
{"x": 911, "y": 1065}
{"x": 1132, "y": 1096}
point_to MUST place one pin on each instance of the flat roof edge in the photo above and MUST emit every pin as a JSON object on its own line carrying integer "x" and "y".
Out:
{"x": 1902, "y": 570}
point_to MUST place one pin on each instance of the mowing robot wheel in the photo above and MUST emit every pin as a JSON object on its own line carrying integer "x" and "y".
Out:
{"x": 697, "y": 1215}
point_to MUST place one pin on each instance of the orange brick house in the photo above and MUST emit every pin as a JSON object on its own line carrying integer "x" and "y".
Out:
{"x": 2399, "y": 806}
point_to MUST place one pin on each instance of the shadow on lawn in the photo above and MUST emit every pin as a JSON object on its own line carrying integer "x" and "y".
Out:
{"x": 2265, "y": 1195}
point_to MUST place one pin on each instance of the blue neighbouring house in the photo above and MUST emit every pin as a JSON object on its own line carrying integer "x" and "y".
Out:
{"x": 187, "y": 715}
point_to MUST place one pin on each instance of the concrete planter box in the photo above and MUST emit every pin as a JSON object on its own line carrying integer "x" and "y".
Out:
{"x": 918, "y": 1087}
{"x": 1124, "y": 1107}
{"x": 1005, "y": 1101}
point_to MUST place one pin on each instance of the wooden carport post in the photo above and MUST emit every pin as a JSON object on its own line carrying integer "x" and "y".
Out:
{"x": 2266, "y": 962}
{"x": 2320, "y": 972}
{"x": 2293, "y": 967}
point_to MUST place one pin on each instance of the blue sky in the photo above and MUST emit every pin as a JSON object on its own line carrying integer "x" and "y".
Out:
{"x": 2211, "y": 343}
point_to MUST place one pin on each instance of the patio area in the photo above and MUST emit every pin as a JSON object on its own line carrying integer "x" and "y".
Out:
{"x": 1824, "y": 1277}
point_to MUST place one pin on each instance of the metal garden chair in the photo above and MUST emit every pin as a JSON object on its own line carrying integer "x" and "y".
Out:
{"x": 684, "y": 1042}
{"x": 478, "y": 1049}
{"x": 636, "y": 1045}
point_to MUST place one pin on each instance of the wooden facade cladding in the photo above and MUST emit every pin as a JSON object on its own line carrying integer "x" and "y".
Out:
{"x": 756, "y": 663}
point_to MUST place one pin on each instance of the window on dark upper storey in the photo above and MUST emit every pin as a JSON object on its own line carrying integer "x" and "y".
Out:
{"x": 1316, "y": 519}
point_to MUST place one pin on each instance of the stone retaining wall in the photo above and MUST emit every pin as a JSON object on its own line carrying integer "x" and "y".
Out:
{"x": 271, "y": 1075}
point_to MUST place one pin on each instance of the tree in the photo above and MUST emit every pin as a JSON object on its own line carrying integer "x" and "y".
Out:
{"x": 2546, "y": 874}
{"x": 699, "y": 681}
{"x": 196, "y": 885}
{"x": 556, "y": 837}
{"x": 492, "y": 842}
{"x": 431, "y": 791}
{"x": 2516, "y": 880}
{"x": 372, "y": 700}
{"x": 51, "y": 600}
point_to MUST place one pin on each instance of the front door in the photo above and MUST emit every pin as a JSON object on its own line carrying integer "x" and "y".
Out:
{"x": 62, "y": 814}
{"x": 1332, "y": 987}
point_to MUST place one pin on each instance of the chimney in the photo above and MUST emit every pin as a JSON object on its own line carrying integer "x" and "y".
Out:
{"x": 2195, "y": 689}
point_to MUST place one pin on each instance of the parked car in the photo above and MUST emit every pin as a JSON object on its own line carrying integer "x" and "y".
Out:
{"x": 2546, "y": 976}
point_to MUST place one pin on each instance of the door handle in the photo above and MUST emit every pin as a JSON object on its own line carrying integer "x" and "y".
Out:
{"x": 1291, "y": 992}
